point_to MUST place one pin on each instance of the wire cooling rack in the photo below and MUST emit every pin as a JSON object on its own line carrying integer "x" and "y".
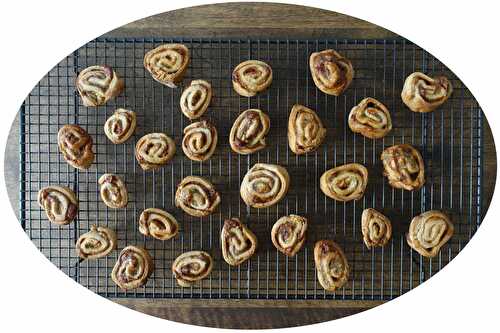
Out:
{"x": 450, "y": 140}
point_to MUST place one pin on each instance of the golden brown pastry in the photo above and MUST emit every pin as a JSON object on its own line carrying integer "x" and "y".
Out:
{"x": 158, "y": 224}
{"x": 264, "y": 185}
{"x": 133, "y": 268}
{"x": 331, "y": 265}
{"x": 249, "y": 131}
{"x": 76, "y": 146}
{"x": 200, "y": 140}
{"x": 428, "y": 232}
{"x": 331, "y": 72}
{"x": 196, "y": 98}
{"x": 196, "y": 196}
{"x": 154, "y": 150}
{"x": 59, "y": 202}
{"x": 345, "y": 183}
{"x": 422, "y": 93}
{"x": 98, "y": 84}
{"x": 305, "y": 130}
{"x": 120, "y": 126}
{"x": 96, "y": 243}
{"x": 289, "y": 234}
{"x": 251, "y": 77}
{"x": 113, "y": 191}
{"x": 238, "y": 243}
{"x": 376, "y": 228}
{"x": 167, "y": 63}
{"x": 403, "y": 167}
{"x": 192, "y": 266}
{"x": 370, "y": 118}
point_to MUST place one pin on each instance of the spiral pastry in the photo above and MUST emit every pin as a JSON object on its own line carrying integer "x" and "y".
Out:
{"x": 370, "y": 118}
{"x": 113, "y": 191}
{"x": 345, "y": 183}
{"x": 120, "y": 126}
{"x": 331, "y": 265}
{"x": 403, "y": 167}
{"x": 158, "y": 224}
{"x": 96, "y": 243}
{"x": 251, "y": 77}
{"x": 238, "y": 243}
{"x": 98, "y": 84}
{"x": 154, "y": 150}
{"x": 428, "y": 232}
{"x": 167, "y": 63}
{"x": 60, "y": 204}
{"x": 305, "y": 130}
{"x": 196, "y": 196}
{"x": 133, "y": 268}
{"x": 289, "y": 234}
{"x": 75, "y": 145}
{"x": 331, "y": 72}
{"x": 264, "y": 185}
{"x": 196, "y": 98}
{"x": 249, "y": 131}
{"x": 192, "y": 266}
{"x": 376, "y": 228}
{"x": 200, "y": 140}
{"x": 422, "y": 93}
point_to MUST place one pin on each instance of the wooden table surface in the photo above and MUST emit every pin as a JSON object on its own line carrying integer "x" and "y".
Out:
{"x": 268, "y": 21}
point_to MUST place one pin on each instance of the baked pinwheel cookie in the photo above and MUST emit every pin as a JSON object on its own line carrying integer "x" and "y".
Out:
{"x": 305, "y": 130}
{"x": 345, "y": 183}
{"x": 200, "y": 140}
{"x": 238, "y": 243}
{"x": 403, "y": 167}
{"x": 75, "y": 144}
{"x": 251, "y": 77}
{"x": 422, "y": 93}
{"x": 289, "y": 234}
{"x": 98, "y": 84}
{"x": 158, "y": 224}
{"x": 113, "y": 191}
{"x": 192, "y": 266}
{"x": 196, "y": 196}
{"x": 133, "y": 268}
{"x": 154, "y": 150}
{"x": 59, "y": 202}
{"x": 167, "y": 63}
{"x": 428, "y": 232}
{"x": 331, "y": 72}
{"x": 264, "y": 185}
{"x": 96, "y": 243}
{"x": 376, "y": 228}
{"x": 196, "y": 98}
{"x": 249, "y": 131}
{"x": 332, "y": 268}
{"x": 120, "y": 126}
{"x": 370, "y": 118}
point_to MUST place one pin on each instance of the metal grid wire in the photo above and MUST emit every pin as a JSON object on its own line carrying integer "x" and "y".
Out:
{"x": 450, "y": 140}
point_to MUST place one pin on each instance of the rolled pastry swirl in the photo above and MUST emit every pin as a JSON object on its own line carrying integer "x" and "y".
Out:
{"x": 345, "y": 183}
{"x": 428, "y": 232}
{"x": 200, "y": 140}
{"x": 133, "y": 268}
{"x": 196, "y": 98}
{"x": 370, "y": 118}
{"x": 158, "y": 224}
{"x": 96, "y": 243}
{"x": 422, "y": 93}
{"x": 192, "y": 266}
{"x": 167, "y": 63}
{"x": 305, "y": 130}
{"x": 113, "y": 191}
{"x": 238, "y": 243}
{"x": 331, "y": 265}
{"x": 120, "y": 126}
{"x": 249, "y": 131}
{"x": 264, "y": 185}
{"x": 60, "y": 204}
{"x": 376, "y": 228}
{"x": 76, "y": 146}
{"x": 98, "y": 84}
{"x": 196, "y": 196}
{"x": 251, "y": 77}
{"x": 403, "y": 167}
{"x": 289, "y": 234}
{"x": 154, "y": 150}
{"x": 331, "y": 72}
